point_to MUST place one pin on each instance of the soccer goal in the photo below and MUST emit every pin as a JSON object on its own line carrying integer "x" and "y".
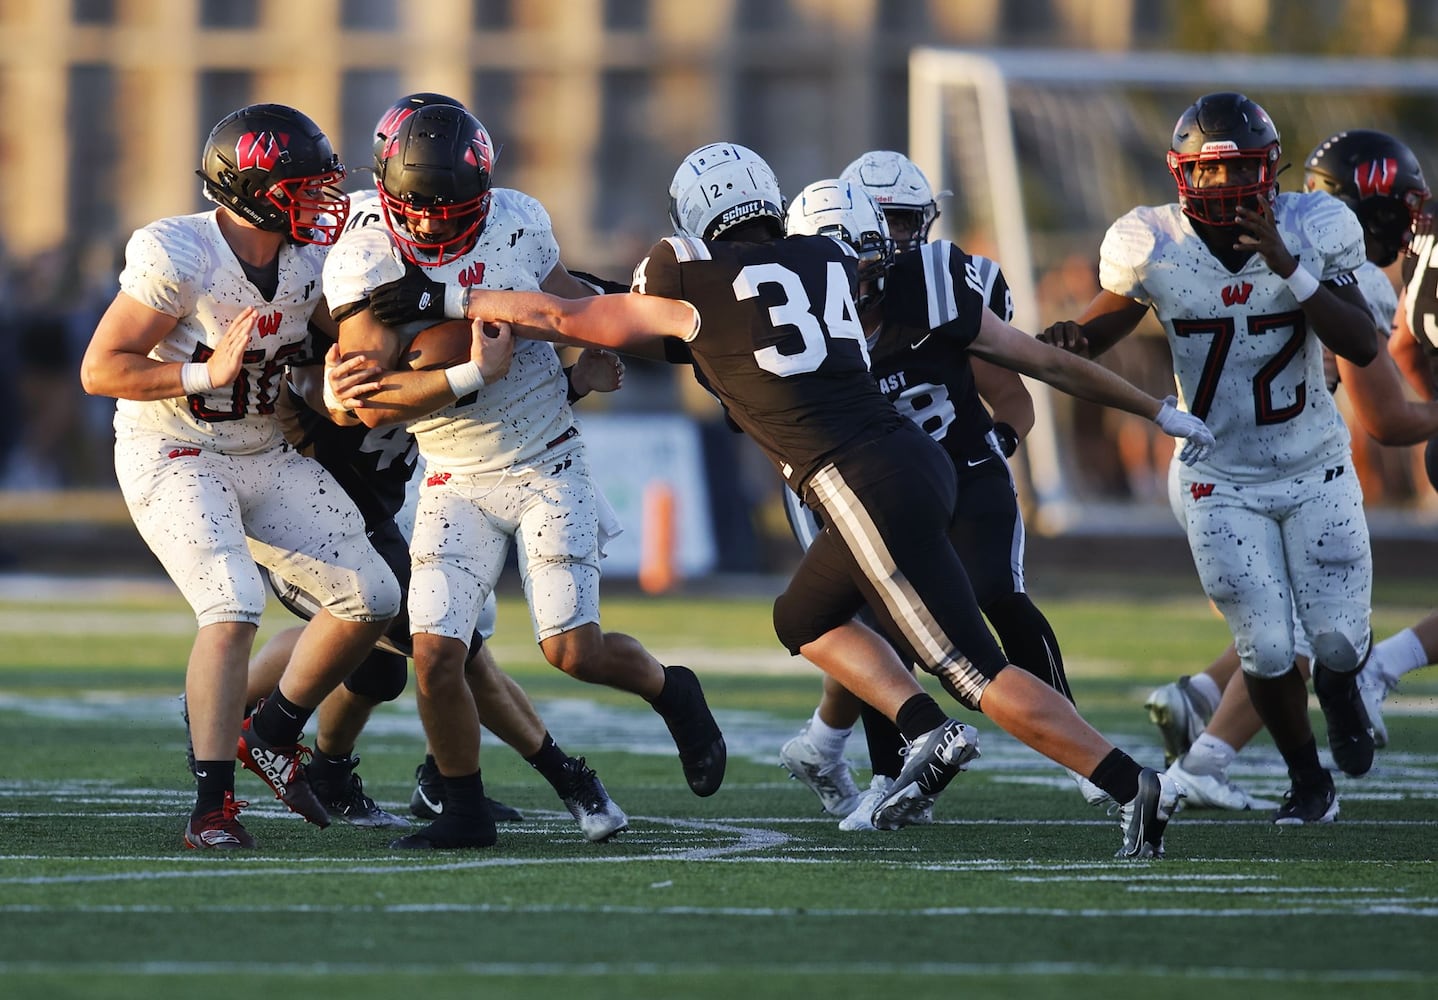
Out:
{"x": 1043, "y": 150}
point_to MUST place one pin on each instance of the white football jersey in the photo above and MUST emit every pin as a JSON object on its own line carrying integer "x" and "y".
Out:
{"x": 508, "y": 422}
{"x": 1243, "y": 356}
{"x": 182, "y": 267}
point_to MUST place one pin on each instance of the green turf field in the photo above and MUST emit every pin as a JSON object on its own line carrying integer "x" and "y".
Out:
{"x": 750, "y": 893}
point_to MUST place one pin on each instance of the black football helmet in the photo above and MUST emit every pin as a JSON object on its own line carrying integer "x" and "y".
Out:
{"x": 434, "y": 179}
{"x": 394, "y": 117}
{"x": 272, "y": 166}
{"x": 1380, "y": 179}
{"x": 1225, "y": 127}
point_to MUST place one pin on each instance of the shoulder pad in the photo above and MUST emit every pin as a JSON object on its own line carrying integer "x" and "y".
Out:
{"x": 359, "y": 262}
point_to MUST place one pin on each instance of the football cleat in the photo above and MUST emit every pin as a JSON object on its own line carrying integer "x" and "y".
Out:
{"x": 1144, "y": 818}
{"x": 1092, "y": 794}
{"x": 584, "y": 796}
{"x": 1308, "y": 803}
{"x": 702, "y": 753}
{"x": 451, "y": 832}
{"x": 220, "y": 830}
{"x": 1180, "y": 715}
{"x": 862, "y": 816}
{"x": 283, "y": 769}
{"x": 1213, "y": 791}
{"x": 832, "y": 779}
{"x": 1373, "y": 688}
{"x": 427, "y": 800}
{"x": 1350, "y": 738}
{"x": 343, "y": 795}
{"x": 931, "y": 762}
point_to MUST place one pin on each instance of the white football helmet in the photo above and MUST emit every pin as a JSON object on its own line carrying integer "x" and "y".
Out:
{"x": 721, "y": 185}
{"x": 847, "y": 213}
{"x": 902, "y": 191}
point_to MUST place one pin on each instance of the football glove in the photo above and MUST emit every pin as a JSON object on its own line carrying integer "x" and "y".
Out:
{"x": 411, "y": 296}
{"x": 1173, "y": 421}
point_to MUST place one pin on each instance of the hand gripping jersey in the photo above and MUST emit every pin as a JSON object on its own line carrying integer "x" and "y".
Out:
{"x": 519, "y": 417}
{"x": 183, "y": 267}
{"x": 772, "y": 311}
{"x": 1243, "y": 356}
{"x": 933, "y": 304}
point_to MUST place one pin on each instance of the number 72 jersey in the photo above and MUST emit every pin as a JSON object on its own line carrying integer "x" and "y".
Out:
{"x": 1244, "y": 357}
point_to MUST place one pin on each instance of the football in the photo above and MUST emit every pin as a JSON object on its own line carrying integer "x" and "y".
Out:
{"x": 441, "y": 345}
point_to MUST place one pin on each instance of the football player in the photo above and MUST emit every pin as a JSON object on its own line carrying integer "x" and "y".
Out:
{"x": 374, "y": 466}
{"x": 771, "y": 327}
{"x": 211, "y": 308}
{"x": 504, "y": 457}
{"x": 1250, "y": 286}
{"x": 939, "y": 389}
{"x": 1205, "y": 720}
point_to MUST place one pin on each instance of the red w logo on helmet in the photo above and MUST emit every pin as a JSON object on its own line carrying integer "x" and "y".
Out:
{"x": 1375, "y": 177}
{"x": 260, "y": 150}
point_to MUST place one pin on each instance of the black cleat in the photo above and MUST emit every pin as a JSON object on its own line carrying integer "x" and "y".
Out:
{"x": 701, "y": 745}
{"x": 427, "y": 801}
{"x": 584, "y": 796}
{"x": 342, "y": 794}
{"x": 1308, "y": 802}
{"x": 451, "y": 832}
{"x": 1350, "y": 737}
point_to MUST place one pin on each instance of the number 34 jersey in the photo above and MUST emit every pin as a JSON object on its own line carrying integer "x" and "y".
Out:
{"x": 779, "y": 342}
{"x": 1243, "y": 355}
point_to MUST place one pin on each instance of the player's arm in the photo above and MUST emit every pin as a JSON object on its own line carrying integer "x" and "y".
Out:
{"x": 1012, "y": 348}
{"x": 1107, "y": 320}
{"x": 1381, "y": 404}
{"x": 380, "y": 392}
{"x": 1008, "y": 400}
{"x": 117, "y": 361}
{"x": 629, "y": 323}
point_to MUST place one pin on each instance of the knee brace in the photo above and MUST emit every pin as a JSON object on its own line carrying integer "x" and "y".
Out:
{"x": 1334, "y": 651}
{"x": 381, "y": 676}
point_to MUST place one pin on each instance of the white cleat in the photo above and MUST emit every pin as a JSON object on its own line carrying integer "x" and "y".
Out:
{"x": 1373, "y": 688}
{"x": 1092, "y": 794}
{"x": 1214, "y": 791}
{"x": 1180, "y": 715}
{"x": 862, "y": 816}
{"x": 832, "y": 779}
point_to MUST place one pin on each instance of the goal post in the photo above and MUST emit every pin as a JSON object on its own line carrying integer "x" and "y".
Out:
{"x": 1044, "y": 149}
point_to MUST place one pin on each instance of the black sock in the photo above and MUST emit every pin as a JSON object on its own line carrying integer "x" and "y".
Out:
{"x": 1117, "y": 774}
{"x": 549, "y": 761}
{"x": 213, "y": 779}
{"x": 280, "y": 721}
{"x": 464, "y": 795}
{"x": 919, "y": 715}
{"x": 1303, "y": 765}
{"x": 884, "y": 742}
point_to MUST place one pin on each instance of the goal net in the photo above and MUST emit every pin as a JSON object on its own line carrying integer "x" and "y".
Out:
{"x": 1043, "y": 150}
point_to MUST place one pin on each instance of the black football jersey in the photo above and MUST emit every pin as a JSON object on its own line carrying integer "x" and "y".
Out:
{"x": 779, "y": 342}
{"x": 372, "y": 465}
{"x": 933, "y": 303}
{"x": 1420, "y": 283}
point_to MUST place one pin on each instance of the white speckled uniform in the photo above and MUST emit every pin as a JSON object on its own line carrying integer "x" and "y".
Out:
{"x": 504, "y": 462}
{"x": 1275, "y": 515}
{"x": 201, "y": 472}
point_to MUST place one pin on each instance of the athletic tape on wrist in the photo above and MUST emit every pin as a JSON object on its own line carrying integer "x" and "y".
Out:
{"x": 1301, "y": 283}
{"x": 195, "y": 378}
{"x": 464, "y": 379}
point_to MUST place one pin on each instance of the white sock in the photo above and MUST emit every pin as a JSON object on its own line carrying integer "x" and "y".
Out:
{"x": 1208, "y": 755}
{"x": 1400, "y": 653}
{"x": 826, "y": 739}
{"x": 1206, "y": 688}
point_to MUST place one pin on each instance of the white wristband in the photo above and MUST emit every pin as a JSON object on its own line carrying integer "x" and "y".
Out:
{"x": 1301, "y": 283}
{"x": 464, "y": 379}
{"x": 332, "y": 402}
{"x": 456, "y": 298}
{"x": 195, "y": 378}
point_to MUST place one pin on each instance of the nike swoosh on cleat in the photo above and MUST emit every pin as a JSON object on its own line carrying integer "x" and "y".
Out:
{"x": 436, "y": 807}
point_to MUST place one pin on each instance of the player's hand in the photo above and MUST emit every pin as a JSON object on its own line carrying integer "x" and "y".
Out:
{"x": 596, "y": 370}
{"x": 1067, "y": 335}
{"x": 491, "y": 347}
{"x": 229, "y": 356}
{"x": 1260, "y": 234}
{"x": 348, "y": 383}
{"x": 1173, "y": 421}
{"x": 409, "y": 297}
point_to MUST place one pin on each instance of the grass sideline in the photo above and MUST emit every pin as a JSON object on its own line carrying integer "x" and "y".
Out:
{"x": 1013, "y": 892}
